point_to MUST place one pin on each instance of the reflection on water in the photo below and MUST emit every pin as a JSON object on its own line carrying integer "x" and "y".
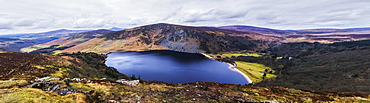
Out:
{"x": 173, "y": 67}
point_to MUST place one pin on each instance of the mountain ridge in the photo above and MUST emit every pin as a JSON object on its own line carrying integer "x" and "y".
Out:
{"x": 65, "y": 42}
{"x": 142, "y": 38}
{"x": 323, "y": 35}
{"x": 174, "y": 37}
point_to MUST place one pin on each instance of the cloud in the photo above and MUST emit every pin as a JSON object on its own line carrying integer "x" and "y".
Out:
{"x": 26, "y": 15}
{"x": 24, "y": 22}
{"x": 5, "y": 23}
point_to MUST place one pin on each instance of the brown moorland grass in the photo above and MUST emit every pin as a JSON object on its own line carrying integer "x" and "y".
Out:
{"x": 153, "y": 91}
{"x": 30, "y": 66}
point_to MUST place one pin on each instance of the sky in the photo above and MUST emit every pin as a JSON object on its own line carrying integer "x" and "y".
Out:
{"x": 22, "y": 16}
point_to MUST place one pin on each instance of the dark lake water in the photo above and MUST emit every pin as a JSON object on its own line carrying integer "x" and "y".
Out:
{"x": 173, "y": 67}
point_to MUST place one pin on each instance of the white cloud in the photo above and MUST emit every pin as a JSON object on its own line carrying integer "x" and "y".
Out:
{"x": 32, "y": 15}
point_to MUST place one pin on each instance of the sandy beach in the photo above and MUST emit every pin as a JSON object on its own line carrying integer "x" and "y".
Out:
{"x": 233, "y": 68}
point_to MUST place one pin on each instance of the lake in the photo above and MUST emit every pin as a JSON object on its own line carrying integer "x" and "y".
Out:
{"x": 173, "y": 67}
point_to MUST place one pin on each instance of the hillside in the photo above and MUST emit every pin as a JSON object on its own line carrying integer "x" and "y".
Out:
{"x": 65, "y": 42}
{"x": 20, "y": 69}
{"x": 175, "y": 37}
{"x": 325, "y": 67}
{"x": 341, "y": 66}
{"x": 328, "y": 37}
{"x": 54, "y": 33}
{"x": 265, "y": 31}
{"x": 309, "y": 35}
{"x": 108, "y": 91}
{"x": 30, "y": 66}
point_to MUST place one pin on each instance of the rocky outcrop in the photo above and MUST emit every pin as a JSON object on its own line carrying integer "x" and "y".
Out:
{"x": 128, "y": 82}
{"x": 52, "y": 84}
{"x": 62, "y": 87}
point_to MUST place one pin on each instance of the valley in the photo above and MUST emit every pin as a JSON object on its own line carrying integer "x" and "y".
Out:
{"x": 16, "y": 42}
{"x": 314, "y": 65}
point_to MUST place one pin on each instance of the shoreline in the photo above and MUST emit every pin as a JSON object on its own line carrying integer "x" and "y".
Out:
{"x": 207, "y": 56}
{"x": 232, "y": 67}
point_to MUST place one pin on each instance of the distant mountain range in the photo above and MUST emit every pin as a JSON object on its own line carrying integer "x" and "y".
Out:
{"x": 15, "y": 42}
{"x": 309, "y": 35}
{"x": 174, "y": 37}
{"x": 255, "y": 29}
{"x": 55, "y": 33}
{"x": 116, "y": 29}
{"x": 164, "y": 37}
{"x": 66, "y": 42}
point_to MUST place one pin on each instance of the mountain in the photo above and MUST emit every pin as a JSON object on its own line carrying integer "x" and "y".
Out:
{"x": 65, "y": 42}
{"x": 308, "y": 35}
{"x": 179, "y": 38}
{"x": 256, "y": 29}
{"x": 116, "y": 29}
{"x": 25, "y": 40}
{"x": 321, "y": 31}
{"x": 364, "y": 28}
{"x": 175, "y": 37}
{"x": 327, "y": 36}
{"x": 55, "y": 33}
{"x": 91, "y": 34}
{"x": 7, "y": 39}
{"x": 289, "y": 32}
{"x": 11, "y": 35}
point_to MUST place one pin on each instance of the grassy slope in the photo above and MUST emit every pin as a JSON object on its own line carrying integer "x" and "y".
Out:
{"x": 162, "y": 92}
{"x": 255, "y": 71}
{"x": 148, "y": 91}
{"x": 33, "y": 48}
{"x": 65, "y": 42}
{"x": 30, "y": 95}
{"x": 201, "y": 91}
{"x": 345, "y": 71}
{"x": 29, "y": 66}
{"x": 242, "y": 54}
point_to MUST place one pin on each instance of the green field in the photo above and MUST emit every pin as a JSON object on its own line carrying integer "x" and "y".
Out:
{"x": 255, "y": 71}
{"x": 28, "y": 49}
{"x": 33, "y": 48}
{"x": 56, "y": 52}
{"x": 242, "y": 54}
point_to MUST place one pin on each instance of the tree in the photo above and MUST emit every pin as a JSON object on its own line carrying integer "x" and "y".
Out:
{"x": 264, "y": 76}
{"x": 133, "y": 77}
